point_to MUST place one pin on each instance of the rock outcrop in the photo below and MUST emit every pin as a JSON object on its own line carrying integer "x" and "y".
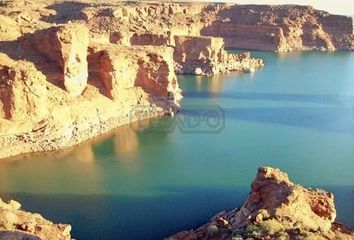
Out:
{"x": 121, "y": 68}
{"x": 275, "y": 209}
{"x": 68, "y": 89}
{"x": 207, "y": 56}
{"x": 18, "y": 224}
{"x": 67, "y": 46}
{"x": 281, "y": 28}
{"x": 262, "y": 27}
{"x": 70, "y": 71}
{"x": 22, "y": 90}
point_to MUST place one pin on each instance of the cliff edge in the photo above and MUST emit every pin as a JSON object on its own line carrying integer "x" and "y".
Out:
{"x": 276, "y": 208}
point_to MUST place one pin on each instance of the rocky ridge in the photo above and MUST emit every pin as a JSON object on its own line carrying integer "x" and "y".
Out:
{"x": 18, "y": 224}
{"x": 276, "y": 208}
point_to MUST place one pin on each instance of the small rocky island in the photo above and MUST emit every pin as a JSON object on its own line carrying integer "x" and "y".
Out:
{"x": 70, "y": 71}
{"x": 275, "y": 209}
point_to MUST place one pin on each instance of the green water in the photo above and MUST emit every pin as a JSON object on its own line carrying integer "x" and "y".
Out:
{"x": 152, "y": 180}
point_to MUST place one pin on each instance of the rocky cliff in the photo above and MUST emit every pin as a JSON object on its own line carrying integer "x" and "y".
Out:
{"x": 59, "y": 88}
{"x": 281, "y": 28}
{"x": 18, "y": 224}
{"x": 275, "y": 209}
{"x": 207, "y": 56}
{"x": 72, "y": 70}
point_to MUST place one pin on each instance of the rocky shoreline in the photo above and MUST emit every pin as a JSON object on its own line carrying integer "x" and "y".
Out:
{"x": 276, "y": 208}
{"x": 18, "y": 224}
{"x": 70, "y": 71}
{"x": 63, "y": 83}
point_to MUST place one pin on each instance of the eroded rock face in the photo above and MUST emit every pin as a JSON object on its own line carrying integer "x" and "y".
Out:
{"x": 17, "y": 224}
{"x": 156, "y": 74}
{"x": 120, "y": 68}
{"x": 281, "y": 28}
{"x": 48, "y": 101}
{"x": 151, "y": 39}
{"x": 23, "y": 90}
{"x": 274, "y": 196}
{"x": 67, "y": 46}
{"x": 206, "y": 56}
{"x": 275, "y": 209}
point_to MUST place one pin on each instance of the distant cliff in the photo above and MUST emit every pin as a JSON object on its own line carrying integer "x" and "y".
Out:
{"x": 282, "y": 28}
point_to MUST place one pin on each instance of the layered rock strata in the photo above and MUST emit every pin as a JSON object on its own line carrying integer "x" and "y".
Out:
{"x": 57, "y": 58}
{"x": 263, "y": 27}
{"x": 18, "y": 224}
{"x": 122, "y": 68}
{"x": 207, "y": 56}
{"x": 66, "y": 46}
{"x": 275, "y": 209}
{"x": 59, "y": 89}
{"x": 281, "y": 28}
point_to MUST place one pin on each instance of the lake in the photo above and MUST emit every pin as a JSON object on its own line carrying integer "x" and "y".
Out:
{"x": 153, "y": 179}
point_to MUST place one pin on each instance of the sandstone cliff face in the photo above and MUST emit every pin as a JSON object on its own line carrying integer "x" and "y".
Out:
{"x": 121, "y": 68}
{"x": 22, "y": 90}
{"x": 281, "y": 28}
{"x": 274, "y": 28}
{"x": 206, "y": 56}
{"x": 67, "y": 46}
{"x": 17, "y": 224}
{"x": 58, "y": 58}
{"x": 275, "y": 209}
{"x": 262, "y": 27}
{"x": 59, "y": 93}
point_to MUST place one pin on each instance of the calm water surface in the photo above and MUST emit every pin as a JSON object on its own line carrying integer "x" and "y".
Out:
{"x": 150, "y": 181}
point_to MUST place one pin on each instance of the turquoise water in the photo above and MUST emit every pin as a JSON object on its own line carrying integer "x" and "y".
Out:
{"x": 151, "y": 180}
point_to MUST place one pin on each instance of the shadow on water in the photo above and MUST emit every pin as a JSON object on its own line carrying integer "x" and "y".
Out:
{"x": 142, "y": 217}
{"x": 150, "y": 217}
{"x": 327, "y": 119}
{"x": 305, "y": 98}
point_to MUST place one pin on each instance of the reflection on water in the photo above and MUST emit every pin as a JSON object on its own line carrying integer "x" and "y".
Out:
{"x": 213, "y": 84}
{"x": 126, "y": 142}
{"x": 84, "y": 153}
{"x": 296, "y": 114}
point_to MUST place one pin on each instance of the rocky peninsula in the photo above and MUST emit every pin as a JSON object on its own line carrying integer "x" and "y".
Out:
{"x": 276, "y": 208}
{"x": 70, "y": 71}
